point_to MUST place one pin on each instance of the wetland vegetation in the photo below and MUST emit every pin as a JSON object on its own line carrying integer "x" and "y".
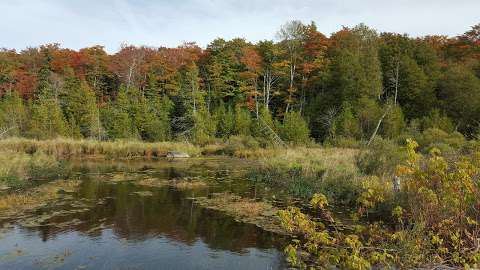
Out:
{"x": 355, "y": 151}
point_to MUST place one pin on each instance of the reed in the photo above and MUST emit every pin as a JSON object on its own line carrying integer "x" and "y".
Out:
{"x": 63, "y": 147}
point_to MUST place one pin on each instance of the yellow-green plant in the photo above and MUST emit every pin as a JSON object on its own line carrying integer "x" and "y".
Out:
{"x": 443, "y": 198}
{"x": 318, "y": 244}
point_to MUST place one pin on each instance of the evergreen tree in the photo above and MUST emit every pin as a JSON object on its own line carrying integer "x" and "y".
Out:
{"x": 394, "y": 122}
{"x": 80, "y": 108}
{"x": 117, "y": 120}
{"x": 460, "y": 92}
{"x": 226, "y": 121}
{"x": 204, "y": 127}
{"x": 294, "y": 128}
{"x": 243, "y": 121}
{"x": 346, "y": 124}
{"x": 47, "y": 120}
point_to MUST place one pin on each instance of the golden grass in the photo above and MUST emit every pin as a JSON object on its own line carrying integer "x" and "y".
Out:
{"x": 17, "y": 202}
{"x": 310, "y": 160}
{"x": 14, "y": 164}
{"x": 236, "y": 205}
{"x": 63, "y": 147}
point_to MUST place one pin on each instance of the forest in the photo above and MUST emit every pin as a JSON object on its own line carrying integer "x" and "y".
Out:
{"x": 304, "y": 85}
{"x": 361, "y": 147}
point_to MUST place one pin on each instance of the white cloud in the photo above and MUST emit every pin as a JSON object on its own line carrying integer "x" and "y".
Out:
{"x": 77, "y": 24}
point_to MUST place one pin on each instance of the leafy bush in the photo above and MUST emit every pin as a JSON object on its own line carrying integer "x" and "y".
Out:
{"x": 380, "y": 158}
{"x": 442, "y": 197}
{"x": 434, "y": 136}
{"x": 239, "y": 143}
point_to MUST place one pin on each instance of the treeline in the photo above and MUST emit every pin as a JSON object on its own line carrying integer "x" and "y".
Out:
{"x": 350, "y": 86}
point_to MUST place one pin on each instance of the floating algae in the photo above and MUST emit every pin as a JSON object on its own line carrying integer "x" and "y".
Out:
{"x": 143, "y": 193}
{"x": 184, "y": 183}
{"x": 245, "y": 210}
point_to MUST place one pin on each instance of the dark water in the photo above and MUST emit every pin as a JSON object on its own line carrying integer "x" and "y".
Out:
{"x": 105, "y": 225}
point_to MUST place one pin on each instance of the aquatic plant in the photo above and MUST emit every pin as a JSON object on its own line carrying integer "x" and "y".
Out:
{"x": 32, "y": 198}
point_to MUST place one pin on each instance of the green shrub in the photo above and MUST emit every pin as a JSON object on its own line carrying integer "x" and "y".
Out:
{"x": 380, "y": 158}
{"x": 240, "y": 143}
{"x": 343, "y": 142}
{"x": 294, "y": 129}
{"x": 435, "y": 136}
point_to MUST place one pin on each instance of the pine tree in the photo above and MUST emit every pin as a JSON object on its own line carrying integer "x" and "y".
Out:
{"x": 79, "y": 105}
{"x": 294, "y": 129}
{"x": 226, "y": 121}
{"x": 117, "y": 119}
{"x": 47, "y": 120}
{"x": 13, "y": 114}
{"x": 243, "y": 121}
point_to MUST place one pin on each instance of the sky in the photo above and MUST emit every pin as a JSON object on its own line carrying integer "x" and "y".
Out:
{"x": 81, "y": 23}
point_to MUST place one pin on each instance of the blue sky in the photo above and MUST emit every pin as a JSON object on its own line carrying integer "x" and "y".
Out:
{"x": 80, "y": 23}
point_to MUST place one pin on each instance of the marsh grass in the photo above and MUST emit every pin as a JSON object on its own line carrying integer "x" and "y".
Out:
{"x": 304, "y": 171}
{"x": 17, "y": 202}
{"x": 62, "y": 147}
{"x": 16, "y": 169}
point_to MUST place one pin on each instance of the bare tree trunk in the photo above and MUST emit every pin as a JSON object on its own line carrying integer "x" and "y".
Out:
{"x": 378, "y": 126}
{"x": 193, "y": 96}
{"x": 396, "y": 82}
{"x": 292, "y": 75}
{"x": 130, "y": 73}
{"x": 255, "y": 83}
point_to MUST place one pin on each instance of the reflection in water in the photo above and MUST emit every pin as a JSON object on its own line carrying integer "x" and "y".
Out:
{"x": 110, "y": 225}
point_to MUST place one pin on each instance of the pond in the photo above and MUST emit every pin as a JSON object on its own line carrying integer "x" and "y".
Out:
{"x": 111, "y": 222}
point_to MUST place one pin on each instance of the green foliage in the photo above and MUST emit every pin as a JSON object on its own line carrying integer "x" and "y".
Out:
{"x": 47, "y": 120}
{"x": 437, "y": 138}
{"x": 441, "y": 197}
{"x": 316, "y": 247}
{"x": 439, "y": 121}
{"x": 79, "y": 105}
{"x": 294, "y": 129}
{"x": 117, "y": 118}
{"x": 380, "y": 158}
{"x": 460, "y": 92}
{"x": 394, "y": 123}
{"x": 238, "y": 143}
{"x": 342, "y": 85}
{"x": 13, "y": 114}
{"x": 243, "y": 122}
{"x": 226, "y": 121}
{"x": 204, "y": 127}
{"x": 346, "y": 125}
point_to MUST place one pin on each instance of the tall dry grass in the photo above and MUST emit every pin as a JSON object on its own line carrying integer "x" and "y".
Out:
{"x": 63, "y": 147}
{"x": 303, "y": 171}
{"x": 16, "y": 168}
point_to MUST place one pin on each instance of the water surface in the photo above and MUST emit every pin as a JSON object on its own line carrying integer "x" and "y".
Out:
{"x": 109, "y": 223}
